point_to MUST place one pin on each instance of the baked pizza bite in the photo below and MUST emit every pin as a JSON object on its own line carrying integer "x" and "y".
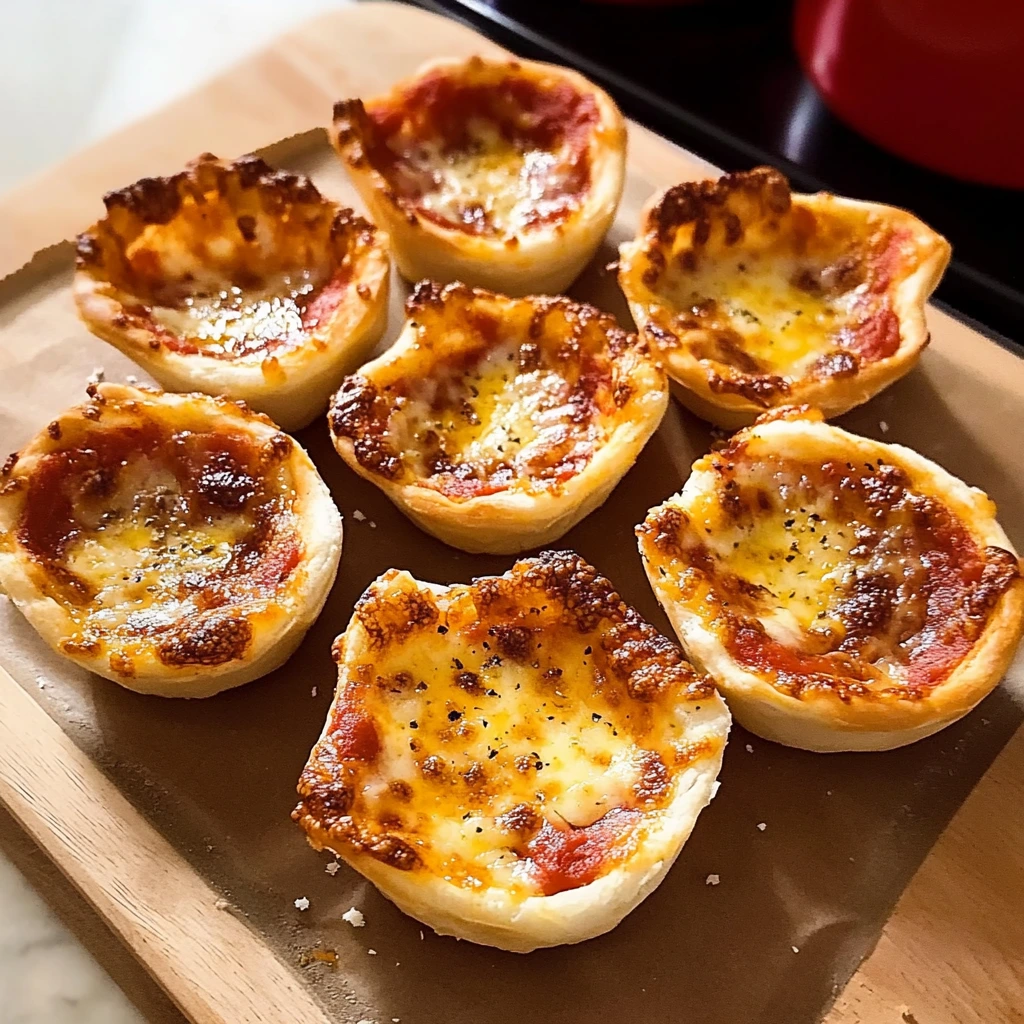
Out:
{"x": 237, "y": 280}
{"x": 176, "y": 544}
{"x": 756, "y": 298}
{"x": 517, "y": 761}
{"x": 844, "y": 594}
{"x": 497, "y": 424}
{"x": 504, "y": 174}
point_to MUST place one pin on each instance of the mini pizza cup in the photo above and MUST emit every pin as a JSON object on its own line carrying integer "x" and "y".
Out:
{"x": 176, "y": 544}
{"x": 516, "y": 762}
{"x": 497, "y": 424}
{"x": 502, "y": 174}
{"x": 234, "y": 279}
{"x": 844, "y": 594}
{"x": 755, "y": 297}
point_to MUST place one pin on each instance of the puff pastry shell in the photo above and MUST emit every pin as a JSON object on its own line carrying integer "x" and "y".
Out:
{"x": 756, "y": 298}
{"x": 236, "y": 280}
{"x": 497, "y": 424}
{"x": 503, "y": 174}
{"x": 845, "y": 594}
{"x": 176, "y": 544}
{"x": 516, "y": 762}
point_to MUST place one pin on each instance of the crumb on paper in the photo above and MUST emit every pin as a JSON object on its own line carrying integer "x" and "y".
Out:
{"x": 372, "y": 952}
{"x": 352, "y": 916}
{"x": 302, "y": 903}
{"x": 98, "y": 375}
{"x": 222, "y": 904}
{"x": 750, "y": 748}
{"x": 358, "y": 516}
{"x": 312, "y": 692}
{"x": 712, "y": 880}
{"x": 131, "y": 379}
{"x": 883, "y": 426}
{"x": 373, "y": 525}
{"x": 761, "y": 826}
{"x": 796, "y": 949}
{"x": 311, "y": 957}
{"x": 907, "y": 1016}
{"x": 366, "y": 1020}
{"x": 332, "y": 870}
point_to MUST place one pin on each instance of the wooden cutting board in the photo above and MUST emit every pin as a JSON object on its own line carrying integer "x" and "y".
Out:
{"x": 952, "y": 951}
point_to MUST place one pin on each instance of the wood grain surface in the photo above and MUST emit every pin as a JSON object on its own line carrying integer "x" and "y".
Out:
{"x": 954, "y": 949}
{"x": 136, "y": 881}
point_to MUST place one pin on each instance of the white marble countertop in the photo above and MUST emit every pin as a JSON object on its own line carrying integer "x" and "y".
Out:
{"x": 72, "y": 72}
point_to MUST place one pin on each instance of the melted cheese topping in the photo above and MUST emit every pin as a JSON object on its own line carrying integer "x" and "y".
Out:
{"x": 154, "y": 541}
{"x": 490, "y": 186}
{"x": 242, "y": 323}
{"x": 488, "y": 394}
{"x": 505, "y": 750}
{"x": 500, "y": 420}
{"x": 819, "y": 573}
{"x": 782, "y": 328}
{"x": 147, "y": 560}
{"x": 796, "y": 553}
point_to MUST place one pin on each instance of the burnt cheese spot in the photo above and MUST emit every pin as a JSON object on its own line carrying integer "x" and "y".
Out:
{"x": 213, "y": 641}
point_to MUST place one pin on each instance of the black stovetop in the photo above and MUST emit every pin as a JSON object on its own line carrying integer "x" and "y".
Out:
{"x": 721, "y": 79}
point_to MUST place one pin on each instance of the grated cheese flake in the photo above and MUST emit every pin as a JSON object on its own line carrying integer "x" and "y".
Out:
{"x": 352, "y": 916}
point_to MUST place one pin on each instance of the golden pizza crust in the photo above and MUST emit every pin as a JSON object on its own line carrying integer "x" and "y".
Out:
{"x": 809, "y": 580}
{"x": 176, "y": 544}
{"x": 237, "y": 280}
{"x": 497, "y": 424}
{"x": 756, "y": 298}
{"x": 516, "y": 762}
{"x": 557, "y": 159}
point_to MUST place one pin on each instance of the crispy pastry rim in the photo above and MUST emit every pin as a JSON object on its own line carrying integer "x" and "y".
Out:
{"x": 290, "y": 384}
{"x": 545, "y": 259}
{"x": 674, "y": 216}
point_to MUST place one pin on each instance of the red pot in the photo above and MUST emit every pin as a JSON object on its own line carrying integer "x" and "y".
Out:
{"x": 939, "y": 82}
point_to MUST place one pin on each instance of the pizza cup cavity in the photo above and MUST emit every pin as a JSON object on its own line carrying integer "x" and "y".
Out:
{"x": 503, "y": 174}
{"x": 845, "y": 594}
{"x": 497, "y": 424}
{"x": 238, "y": 280}
{"x": 176, "y": 544}
{"x": 756, "y": 298}
{"x": 517, "y": 761}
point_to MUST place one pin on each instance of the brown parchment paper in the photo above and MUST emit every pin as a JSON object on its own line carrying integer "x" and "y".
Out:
{"x": 844, "y": 832}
